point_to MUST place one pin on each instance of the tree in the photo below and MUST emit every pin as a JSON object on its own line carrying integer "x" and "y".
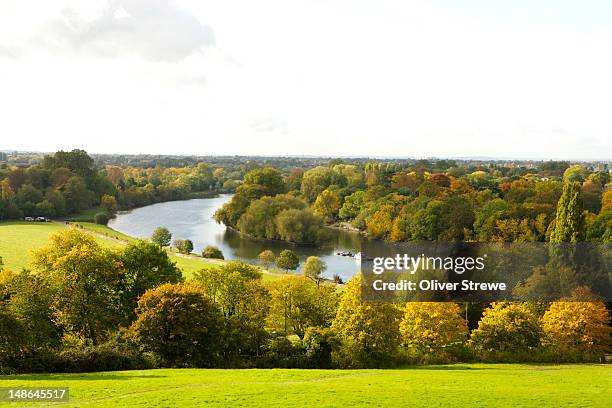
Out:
{"x": 431, "y": 326}
{"x": 296, "y": 303}
{"x": 287, "y": 260}
{"x": 161, "y": 236}
{"x": 313, "y": 268}
{"x": 237, "y": 291}
{"x": 101, "y": 218}
{"x": 315, "y": 181}
{"x": 353, "y": 204}
{"x": 109, "y": 203}
{"x": 507, "y": 327}
{"x": 327, "y": 205}
{"x": 212, "y": 252}
{"x": 579, "y": 322}
{"x": 266, "y": 258}
{"x": 259, "y": 220}
{"x": 569, "y": 223}
{"x": 368, "y": 330}
{"x": 86, "y": 281}
{"x": 300, "y": 226}
{"x": 180, "y": 324}
{"x": 146, "y": 265}
{"x": 184, "y": 246}
{"x": 575, "y": 173}
{"x": 31, "y": 303}
{"x": 606, "y": 201}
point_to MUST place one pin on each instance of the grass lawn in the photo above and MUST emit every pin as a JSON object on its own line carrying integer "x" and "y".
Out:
{"x": 18, "y": 238}
{"x": 86, "y": 215}
{"x": 474, "y": 385}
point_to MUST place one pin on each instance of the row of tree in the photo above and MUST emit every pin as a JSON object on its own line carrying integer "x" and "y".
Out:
{"x": 391, "y": 202}
{"x": 82, "y": 299}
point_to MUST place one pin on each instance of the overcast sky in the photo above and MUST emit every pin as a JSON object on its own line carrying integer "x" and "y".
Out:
{"x": 520, "y": 78}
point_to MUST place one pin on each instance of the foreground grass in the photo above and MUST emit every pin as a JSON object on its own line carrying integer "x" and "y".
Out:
{"x": 478, "y": 385}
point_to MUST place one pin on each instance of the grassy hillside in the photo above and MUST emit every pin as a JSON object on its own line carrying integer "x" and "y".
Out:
{"x": 18, "y": 238}
{"x": 444, "y": 386}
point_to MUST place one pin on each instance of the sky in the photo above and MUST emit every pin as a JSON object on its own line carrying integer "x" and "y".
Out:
{"x": 525, "y": 79}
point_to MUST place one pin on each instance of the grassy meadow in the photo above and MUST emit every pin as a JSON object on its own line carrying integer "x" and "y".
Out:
{"x": 19, "y": 238}
{"x": 478, "y": 385}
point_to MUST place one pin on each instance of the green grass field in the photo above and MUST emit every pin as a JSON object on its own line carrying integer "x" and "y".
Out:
{"x": 477, "y": 385}
{"x": 19, "y": 238}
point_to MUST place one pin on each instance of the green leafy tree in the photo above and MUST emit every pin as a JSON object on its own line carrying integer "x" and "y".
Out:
{"x": 237, "y": 291}
{"x": 212, "y": 252}
{"x": 146, "y": 265}
{"x": 161, "y": 236}
{"x": 296, "y": 303}
{"x": 184, "y": 246}
{"x": 569, "y": 223}
{"x": 301, "y": 227}
{"x": 287, "y": 260}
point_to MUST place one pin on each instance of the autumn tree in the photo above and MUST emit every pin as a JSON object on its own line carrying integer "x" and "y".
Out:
{"x": 266, "y": 258}
{"x": 432, "y": 326}
{"x": 313, "y": 268}
{"x": 327, "y": 205}
{"x": 369, "y": 331}
{"x": 180, "y": 324}
{"x": 86, "y": 280}
{"x": 507, "y": 327}
{"x": 579, "y": 321}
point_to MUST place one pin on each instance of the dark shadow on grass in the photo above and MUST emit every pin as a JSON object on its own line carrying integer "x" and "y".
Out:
{"x": 75, "y": 377}
{"x": 458, "y": 367}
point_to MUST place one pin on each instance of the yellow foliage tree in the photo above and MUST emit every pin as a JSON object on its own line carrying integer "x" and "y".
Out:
{"x": 575, "y": 324}
{"x": 369, "y": 331}
{"x": 507, "y": 327}
{"x": 430, "y": 326}
{"x": 381, "y": 222}
{"x": 327, "y": 205}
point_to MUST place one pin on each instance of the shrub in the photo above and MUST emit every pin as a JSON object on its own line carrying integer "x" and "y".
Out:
{"x": 212, "y": 252}
{"x": 101, "y": 218}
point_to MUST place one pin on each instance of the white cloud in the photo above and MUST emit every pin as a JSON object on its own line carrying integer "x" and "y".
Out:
{"x": 329, "y": 77}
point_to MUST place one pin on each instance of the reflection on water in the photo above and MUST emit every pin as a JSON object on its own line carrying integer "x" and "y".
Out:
{"x": 192, "y": 219}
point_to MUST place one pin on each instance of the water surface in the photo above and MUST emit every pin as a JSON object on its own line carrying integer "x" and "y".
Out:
{"x": 192, "y": 219}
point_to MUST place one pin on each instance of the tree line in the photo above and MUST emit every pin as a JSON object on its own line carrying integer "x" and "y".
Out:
{"x": 84, "y": 307}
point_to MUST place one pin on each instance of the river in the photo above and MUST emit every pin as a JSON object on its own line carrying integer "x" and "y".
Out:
{"x": 192, "y": 219}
